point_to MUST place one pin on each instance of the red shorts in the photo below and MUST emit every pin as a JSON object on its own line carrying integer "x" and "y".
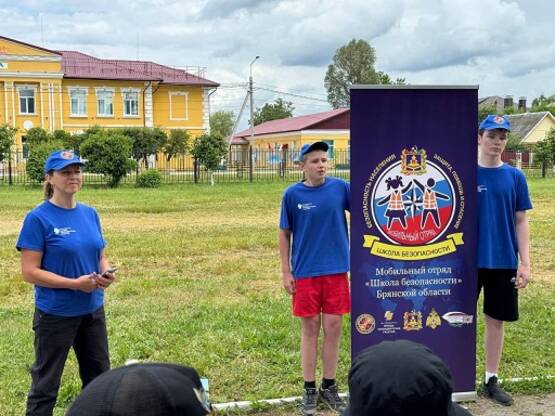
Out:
{"x": 322, "y": 294}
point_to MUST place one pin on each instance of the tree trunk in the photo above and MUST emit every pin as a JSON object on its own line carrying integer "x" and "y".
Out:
{"x": 195, "y": 170}
{"x": 212, "y": 178}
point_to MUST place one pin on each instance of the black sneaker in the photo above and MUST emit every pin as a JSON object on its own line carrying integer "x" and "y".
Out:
{"x": 496, "y": 393}
{"x": 309, "y": 402}
{"x": 330, "y": 397}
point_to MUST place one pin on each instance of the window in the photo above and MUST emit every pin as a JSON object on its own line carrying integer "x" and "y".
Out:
{"x": 78, "y": 99}
{"x": 331, "y": 150}
{"x": 130, "y": 103}
{"x": 25, "y": 147}
{"x": 105, "y": 105}
{"x": 26, "y": 101}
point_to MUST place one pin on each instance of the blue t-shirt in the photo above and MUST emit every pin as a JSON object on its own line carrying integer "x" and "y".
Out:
{"x": 71, "y": 243}
{"x": 316, "y": 218}
{"x": 502, "y": 191}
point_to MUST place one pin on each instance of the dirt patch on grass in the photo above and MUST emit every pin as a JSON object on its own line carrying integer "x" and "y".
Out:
{"x": 525, "y": 405}
{"x": 534, "y": 405}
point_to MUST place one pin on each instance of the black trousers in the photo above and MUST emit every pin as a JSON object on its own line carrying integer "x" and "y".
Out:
{"x": 54, "y": 336}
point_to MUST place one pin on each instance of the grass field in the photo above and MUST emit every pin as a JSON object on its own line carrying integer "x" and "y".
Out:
{"x": 199, "y": 284}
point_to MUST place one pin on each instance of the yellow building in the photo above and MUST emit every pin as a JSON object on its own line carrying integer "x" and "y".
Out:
{"x": 531, "y": 128}
{"x": 72, "y": 91}
{"x": 289, "y": 134}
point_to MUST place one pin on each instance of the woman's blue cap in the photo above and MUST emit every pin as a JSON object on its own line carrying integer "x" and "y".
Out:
{"x": 60, "y": 159}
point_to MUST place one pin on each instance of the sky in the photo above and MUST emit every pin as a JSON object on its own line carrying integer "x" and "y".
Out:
{"x": 505, "y": 47}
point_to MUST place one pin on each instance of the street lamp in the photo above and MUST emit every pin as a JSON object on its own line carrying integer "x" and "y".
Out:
{"x": 251, "y": 95}
{"x": 252, "y": 116}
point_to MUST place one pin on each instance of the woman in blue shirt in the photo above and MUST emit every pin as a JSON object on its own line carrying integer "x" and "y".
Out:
{"x": 62, "y": 255}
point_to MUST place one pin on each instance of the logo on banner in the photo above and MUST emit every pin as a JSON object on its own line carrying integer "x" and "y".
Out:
{"x": 457, "y": 319}
{"x": 365, "y": 324}
{"x": 412, "y": 321}
{"x": 412, "y": 205}
{"x": 433, "y": 320}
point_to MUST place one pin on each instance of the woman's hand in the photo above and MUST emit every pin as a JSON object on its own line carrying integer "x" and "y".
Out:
{"x": 104, "y": 280}
{"x": 86, "y": 283}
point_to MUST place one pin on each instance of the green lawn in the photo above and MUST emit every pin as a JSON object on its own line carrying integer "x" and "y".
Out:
{"x": 199, "y": 283}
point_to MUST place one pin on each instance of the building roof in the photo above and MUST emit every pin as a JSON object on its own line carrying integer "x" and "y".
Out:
{"x": 491, "y": 100}
{"x": 290, "y": 124}
{"x": 523, "y": 124}
{"x": 79, "y": 65}
{"x": 29, "y": 45}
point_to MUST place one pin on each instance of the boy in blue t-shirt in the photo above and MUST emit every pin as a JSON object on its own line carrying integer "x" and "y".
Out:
{"x": 314, "y": 251}
{"x": 503, "y": 237}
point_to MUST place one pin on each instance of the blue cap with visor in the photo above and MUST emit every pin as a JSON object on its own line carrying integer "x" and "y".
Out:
{"x": 494, "y": 121}
{"x": 60, "y": 159}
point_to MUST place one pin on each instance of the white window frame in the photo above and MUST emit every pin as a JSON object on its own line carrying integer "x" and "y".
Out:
{"x": 186, "y": 98}
{"x": 124, "y": 92}
{"x": 104, "y": 91}
{"x": 80, "y": 90}
{"x": 25, "y": 88}
{"x": 331, "y": 149}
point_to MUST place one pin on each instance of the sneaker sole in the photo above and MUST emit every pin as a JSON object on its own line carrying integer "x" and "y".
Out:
{"x": 309, "y": 413}
{"x": 506, "y": 404}
{"x": 330, "y": 407}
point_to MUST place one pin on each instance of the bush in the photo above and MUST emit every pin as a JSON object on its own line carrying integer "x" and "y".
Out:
{"x": 38, "y": 153}
{"x": 37, "y": 135}
{"x": 108, "y": 153}
{"x": 150, "y": 178}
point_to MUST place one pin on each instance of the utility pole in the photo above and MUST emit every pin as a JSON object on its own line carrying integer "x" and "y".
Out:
{"x": 252, "y": 116}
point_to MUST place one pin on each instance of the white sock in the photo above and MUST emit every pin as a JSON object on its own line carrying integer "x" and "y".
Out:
{"x": 490, "y": 375}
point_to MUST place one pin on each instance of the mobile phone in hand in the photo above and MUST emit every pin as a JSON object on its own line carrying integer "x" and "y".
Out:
{"x": 111, "y": 270}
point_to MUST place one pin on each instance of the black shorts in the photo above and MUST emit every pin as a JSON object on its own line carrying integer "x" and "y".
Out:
{"x": 500, "y": 294}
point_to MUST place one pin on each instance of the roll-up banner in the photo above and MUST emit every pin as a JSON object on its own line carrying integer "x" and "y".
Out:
{"x": 413, "y": 221}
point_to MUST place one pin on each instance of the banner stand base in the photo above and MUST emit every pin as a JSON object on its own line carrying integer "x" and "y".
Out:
{"x": 464, "y": 396}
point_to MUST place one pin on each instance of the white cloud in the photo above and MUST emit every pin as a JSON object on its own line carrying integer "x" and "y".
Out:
{"x": 505, "y": 46}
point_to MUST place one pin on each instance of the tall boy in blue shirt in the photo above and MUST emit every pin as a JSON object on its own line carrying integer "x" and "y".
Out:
{"x": 503, "y": 238}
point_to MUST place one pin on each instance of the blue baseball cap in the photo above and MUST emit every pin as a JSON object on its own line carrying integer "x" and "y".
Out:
{"x": 60, "y": 159}
{"x": 309, "y": 147}
{"x": 494, "y": 121}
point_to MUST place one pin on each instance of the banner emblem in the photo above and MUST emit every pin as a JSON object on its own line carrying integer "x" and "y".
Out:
{"x": 412, "y": 321}
{"x": 412, "y": 205}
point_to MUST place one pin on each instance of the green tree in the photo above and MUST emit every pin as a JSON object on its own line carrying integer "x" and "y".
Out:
{"x": 145, "y": 141}
{"x": 273, "y": 111}
{"x": 543, "y": 103}
{"x": 38, "y": 152}
{"x": 109, "y": 153}
{"x": 177, "y": 143}
{"x": 484, "y": 111}
{"x": 70, "y": 141}
{"x": 353, "y": 63}
{"x": 37, "y": 135}
{"x": 542, "y": 100}
{"x": 7, "y": 140}
{"x": 544, "y": 151}
{"x": 221, "y": 122}
{"x": 209, "y": 150}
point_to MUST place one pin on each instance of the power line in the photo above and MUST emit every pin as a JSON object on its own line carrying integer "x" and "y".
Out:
{"x": 306, "y": 97}
{"x": 289, "y": 90}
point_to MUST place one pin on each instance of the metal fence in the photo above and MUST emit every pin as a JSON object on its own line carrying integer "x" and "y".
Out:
{"x": 240, "y": 165}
